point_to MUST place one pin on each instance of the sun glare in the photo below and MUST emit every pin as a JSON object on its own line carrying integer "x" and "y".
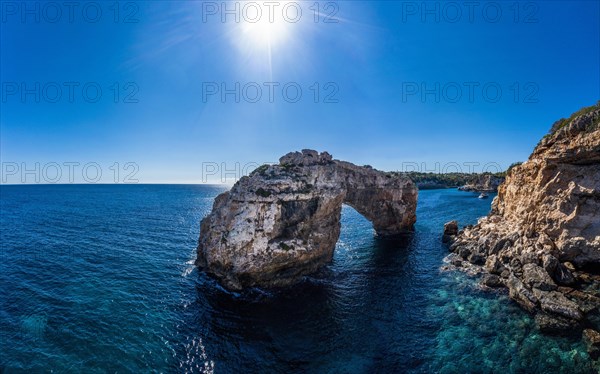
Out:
{"x": 267, "y": 24}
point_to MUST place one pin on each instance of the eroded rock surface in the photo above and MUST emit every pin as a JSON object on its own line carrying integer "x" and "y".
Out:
{"x": 282, "y": 221}
{"x": 542, "y": 238}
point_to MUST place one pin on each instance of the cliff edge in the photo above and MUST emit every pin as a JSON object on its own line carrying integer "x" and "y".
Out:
{"x": 542, "y": 237}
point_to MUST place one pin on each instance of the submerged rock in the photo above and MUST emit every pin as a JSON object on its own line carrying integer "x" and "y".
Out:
{"x": 282, "y": 222}
{"x": 592, "y": 340}
{"x": 544, "y": 229}
{"x": 492, "y": 281}
{"x": 536, "y": 277}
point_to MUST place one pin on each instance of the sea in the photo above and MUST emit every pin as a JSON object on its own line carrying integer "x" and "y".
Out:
{"x": 100, "y": 278}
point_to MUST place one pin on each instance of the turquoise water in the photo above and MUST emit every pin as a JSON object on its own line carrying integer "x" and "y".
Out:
{"x": 101, "y": 278}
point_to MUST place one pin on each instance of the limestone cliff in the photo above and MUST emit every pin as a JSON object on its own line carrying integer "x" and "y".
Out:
{"x": 282, "y": 221}
{"x": 542, "y": 238}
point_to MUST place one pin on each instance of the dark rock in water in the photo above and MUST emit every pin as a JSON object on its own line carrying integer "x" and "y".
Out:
{"x": 563, "y": 276}
{"x": 549, "y": 263}
{"x": 494, "y": 266}
{"x": 450, "y": 231}
{"x": 476, "y": 258}
{"x": 456, "y": 262}
{"x": 492, "y": 281}
{"x": 556, "y": 303}
{"x": 592, "y": 340}
{"x": 464, "y": 252}
{"x": 586, "y": 301}
{"x": 552, "y": 324}
{"x": 282, "y": 222}
{"x": 519, "y": 293}
{"x": 536, "y": 277}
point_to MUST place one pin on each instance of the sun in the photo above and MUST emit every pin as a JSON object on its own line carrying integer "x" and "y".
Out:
{"x": 265, "y": 33}
{"x": 268, "y": 24}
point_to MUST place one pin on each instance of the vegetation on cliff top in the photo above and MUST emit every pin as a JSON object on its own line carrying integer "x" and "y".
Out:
{"x": 430, "y": 180}
{"x": 565, "y": 121}
{"x": 446, "y": 180}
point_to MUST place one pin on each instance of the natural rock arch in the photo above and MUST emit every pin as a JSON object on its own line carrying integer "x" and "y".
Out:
{"x": 283, "y": 221}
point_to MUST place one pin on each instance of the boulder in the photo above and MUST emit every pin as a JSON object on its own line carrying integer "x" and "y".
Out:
{"x": 563, "y": 276}
{"x": 556, "y": 303}
{"x": 592, "y": 340}
{"x": 491, "y": 280}
{"x": 519, "y": 293}
{"x": 450, "y": 231}
{"x": 536, "y": 277}
{"x": 552, "y": 324}
{"x": 476, "y": 258}
{"x": 549, "y": 263}
{"x": 493, "y": 265}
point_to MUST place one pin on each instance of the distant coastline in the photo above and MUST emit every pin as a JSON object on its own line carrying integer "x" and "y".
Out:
{"x": 439, "y": 181}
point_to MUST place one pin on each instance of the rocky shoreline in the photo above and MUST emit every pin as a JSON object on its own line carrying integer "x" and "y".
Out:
{"x": 541, "y": 240}
{"x": 487, "y": 182}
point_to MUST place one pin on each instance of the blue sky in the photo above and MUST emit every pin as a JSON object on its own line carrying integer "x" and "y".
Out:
{"x": 371, "y": 66}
